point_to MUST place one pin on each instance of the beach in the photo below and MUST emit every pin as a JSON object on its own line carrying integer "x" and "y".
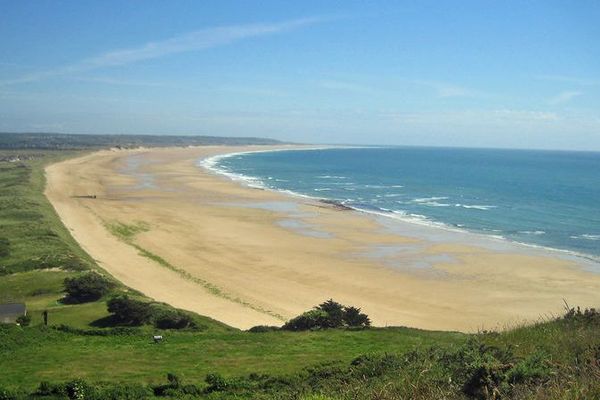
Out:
{"x": 247, "y": 256}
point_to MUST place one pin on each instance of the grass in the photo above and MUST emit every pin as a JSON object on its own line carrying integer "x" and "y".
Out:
{"x": 38, "y": 353}
{"x": 35, "y": 235}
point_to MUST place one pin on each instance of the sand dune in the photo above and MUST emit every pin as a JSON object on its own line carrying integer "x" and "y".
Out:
{"x": 225, "y": 253}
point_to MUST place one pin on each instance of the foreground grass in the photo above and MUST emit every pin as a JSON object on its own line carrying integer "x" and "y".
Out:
{"x": 35, "y": 354}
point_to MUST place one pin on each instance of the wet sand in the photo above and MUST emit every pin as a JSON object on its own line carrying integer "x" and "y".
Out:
{"x": 247, "y": 256}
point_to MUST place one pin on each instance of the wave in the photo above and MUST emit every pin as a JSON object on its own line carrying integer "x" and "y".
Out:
{"x": 332, "y": 177}
{"x": 428, "y": 199}
{"x": 475, "y": 206}
{"x": 586, "y": 236}
{"x": 532, "y": 232}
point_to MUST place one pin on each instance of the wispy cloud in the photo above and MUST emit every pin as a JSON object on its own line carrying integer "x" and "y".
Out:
{"x": 192, "y": 41}
{"x": 564, "y": 97}
{"x": 568, "y": 79}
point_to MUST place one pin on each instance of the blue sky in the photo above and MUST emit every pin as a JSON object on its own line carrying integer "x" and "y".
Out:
{"x": 484, "y": 73}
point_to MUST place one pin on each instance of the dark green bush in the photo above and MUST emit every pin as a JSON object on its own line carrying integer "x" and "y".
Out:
{"x": 263, "y": 329}
{"x": 329, "y": 314}
{"x": 78, "y": 389}
{"x": 174, "y": 319}
{"x": 313, "y": 319}
{"x": 335, "y": 313}
{"x": 6, "y": 394}
{"x": 129, "y": 311}
{"x": 354, "y": 318}
{"x": 216, "y": 383}
{"x": 88, "y": 287}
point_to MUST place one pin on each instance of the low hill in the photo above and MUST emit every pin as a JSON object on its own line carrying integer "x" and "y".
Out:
{"x": 62, "y": 141}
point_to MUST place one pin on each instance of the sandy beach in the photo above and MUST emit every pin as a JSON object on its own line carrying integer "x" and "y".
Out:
{"x": 247, "y": 256}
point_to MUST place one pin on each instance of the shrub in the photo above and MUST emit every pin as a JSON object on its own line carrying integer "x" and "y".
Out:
{"x": 78, "y": 389}
{"x": 354, "y": 318}
{"x": 88, "y": 287}
{"x": 532, "y": 368}
{"x": 589, "y": 316}
{"x": 329, "y": 314}
{"x": 313, "y": 319}
{"x": 6, "y": 394}
{"x": 174, "y": 319}
{"x": 335, "y": 313}
{"x": 263, "y": 329}
{"x": 216, "y": 383}
{"x": 129, "y": 311}
{"x": 24, "y": 320}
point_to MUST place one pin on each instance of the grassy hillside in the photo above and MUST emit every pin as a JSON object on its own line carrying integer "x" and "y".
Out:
{"x": 83, "y": 353}
{"x": 31, "y": 234}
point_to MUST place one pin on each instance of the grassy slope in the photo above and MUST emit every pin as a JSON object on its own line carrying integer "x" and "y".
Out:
{"x": 36, "y": 235}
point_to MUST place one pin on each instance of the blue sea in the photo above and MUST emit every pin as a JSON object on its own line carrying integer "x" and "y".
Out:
{"x": 543, "y": 198}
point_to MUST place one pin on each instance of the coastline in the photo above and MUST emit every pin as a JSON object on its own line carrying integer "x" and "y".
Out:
{"x": 235, "y": 262}
{"x": 587, "y": 261}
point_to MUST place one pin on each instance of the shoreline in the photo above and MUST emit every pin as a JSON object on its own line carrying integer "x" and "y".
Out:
{"x": 592, "y": 262}
{"x": 271, "y": 256}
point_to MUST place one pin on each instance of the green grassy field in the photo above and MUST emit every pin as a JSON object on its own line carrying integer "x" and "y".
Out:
{"x": 553, "y": 359}
{"x": 36, "y": 238}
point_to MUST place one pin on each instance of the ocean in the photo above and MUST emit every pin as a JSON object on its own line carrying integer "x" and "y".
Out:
{"x": 541, "y": 198}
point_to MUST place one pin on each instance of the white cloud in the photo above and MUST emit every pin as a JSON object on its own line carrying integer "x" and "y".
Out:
{"x": 192, "y": 41}
{"x": 564, "y": 97}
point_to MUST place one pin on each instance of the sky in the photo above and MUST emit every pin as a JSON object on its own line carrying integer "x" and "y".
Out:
{"x": 515, "y": 74}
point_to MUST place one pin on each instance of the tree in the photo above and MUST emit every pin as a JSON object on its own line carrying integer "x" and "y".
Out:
{"x": 354, "y": 318}
{"x": 335, "y": 313}
{"x": 88, "y": 287}
{"x": 313, "y": 319}
{"x": 129, "y": 311}
{"x": 329, "y": 314}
